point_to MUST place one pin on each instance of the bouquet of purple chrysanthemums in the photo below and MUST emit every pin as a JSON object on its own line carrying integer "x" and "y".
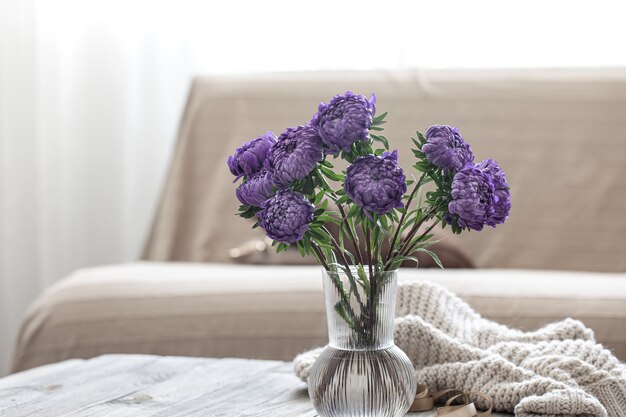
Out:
{"x": 290, "y": 186}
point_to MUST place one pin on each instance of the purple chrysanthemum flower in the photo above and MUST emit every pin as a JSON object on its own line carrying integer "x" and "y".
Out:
{"x": 256, "y": 189}
{"x": 446, "y": 148}
{"x": 344, "y": 121}
{"x": 250, "y": 158}
{"x": 376, "y": 183}
{"x": 472, "y": 197}
{"x": 502, "y": 195}
{"x": 286, "y": 216}
{"x": 294, "y": 155}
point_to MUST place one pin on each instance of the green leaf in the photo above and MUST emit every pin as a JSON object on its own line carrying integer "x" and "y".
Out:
{"x": 383, "y": 222}
{"x": 301, "y": 248}
{"x": 306, "y": 242}
{"x": 309, "y": 186}
{"x": 438, "y": 193}
{"x": 419, "y": 154}
{"x": 330, "y": 174}
{"x": 342, "y": 310}
{"x": 382, "y": 139}
{"x": 318, "y": 198}
{"x": 360, "y": 270}
{"x": 324, "y": 244}
{"x": 281, "y": 247}
{"x": 350, "y": 256}
{"x": 353, "y": 230}
{"x": 343, "y": 199}
{"x": 354, "y": 210}
{"x": 325, "y": 218}
{"x": 434, "y": 256}
{"x": 422, "y": 166}
{"x": 360, "y": 148}
{"x": 379, "y": 119}
{"x": 319, "y": 235}
{"x": 400, "y": 259}
{"x": 247, "y": 212}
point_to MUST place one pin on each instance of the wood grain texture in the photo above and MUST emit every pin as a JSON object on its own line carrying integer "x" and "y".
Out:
{"x": 144, "y": 385}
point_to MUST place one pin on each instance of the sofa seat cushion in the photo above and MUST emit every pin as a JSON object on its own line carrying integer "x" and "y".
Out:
{"x": 275, "y": 312}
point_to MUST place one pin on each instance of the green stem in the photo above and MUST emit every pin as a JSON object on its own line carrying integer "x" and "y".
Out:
{"x": 415, "y": 228}
{"x": 406, "y": 207}
{"x": 412, "y": 246}
{"x": 353, "y": 285}
{"x": 368, "y": 242}
{"x": 352, "y": 237}
{"x": 356, "y": 323}
{"x": 373, "y": 285}
{"x": 320, "y": 256}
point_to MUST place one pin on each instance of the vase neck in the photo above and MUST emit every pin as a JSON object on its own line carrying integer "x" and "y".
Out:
{"x": 360, "y": 312}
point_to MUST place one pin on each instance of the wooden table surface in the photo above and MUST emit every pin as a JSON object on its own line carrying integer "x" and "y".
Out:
{"x": 143, "y": 385}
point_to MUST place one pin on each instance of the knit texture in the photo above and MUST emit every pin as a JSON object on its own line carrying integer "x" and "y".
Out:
{"x": 558, "y": 370}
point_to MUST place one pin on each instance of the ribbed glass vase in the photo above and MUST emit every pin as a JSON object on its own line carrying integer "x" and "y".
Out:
{"x": 361, "y": 373}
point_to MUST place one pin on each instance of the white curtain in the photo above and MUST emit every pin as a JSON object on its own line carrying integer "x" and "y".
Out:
{"x": 89, "y": 105}
{"x": 91, "y": 93}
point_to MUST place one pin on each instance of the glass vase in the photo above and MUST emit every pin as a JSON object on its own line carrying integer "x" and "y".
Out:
{"x": 361, "y": 373}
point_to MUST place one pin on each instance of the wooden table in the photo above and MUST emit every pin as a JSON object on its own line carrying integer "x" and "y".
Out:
{"x": 142, "y": 385}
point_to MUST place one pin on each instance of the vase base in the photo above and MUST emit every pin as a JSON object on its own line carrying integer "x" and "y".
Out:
{"x": 362, "y": 383}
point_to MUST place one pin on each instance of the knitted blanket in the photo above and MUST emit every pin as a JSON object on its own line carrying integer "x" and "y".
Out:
{"x": 558, "y": 370}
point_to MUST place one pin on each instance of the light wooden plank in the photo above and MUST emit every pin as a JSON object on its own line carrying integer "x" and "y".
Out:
{"x": 236, "y": 396}
{"x": 290, "y": 402}
{"x": 199, "y": 380}
{"x": 100, "y": 379}
{"x": 36, "y": 374}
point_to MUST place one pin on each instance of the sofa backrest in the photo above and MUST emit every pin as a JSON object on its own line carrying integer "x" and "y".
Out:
{"x": 560, "y": 135}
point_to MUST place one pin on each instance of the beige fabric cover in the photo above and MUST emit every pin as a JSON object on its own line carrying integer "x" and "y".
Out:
{"x": 267, "y": 312}
{"x": 560, "y": 135}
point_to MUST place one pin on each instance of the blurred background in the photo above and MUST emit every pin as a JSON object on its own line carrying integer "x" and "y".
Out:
{"x": 91, "y": 95}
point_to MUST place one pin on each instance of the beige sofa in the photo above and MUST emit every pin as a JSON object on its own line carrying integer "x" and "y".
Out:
{"x": 560, "y": 136}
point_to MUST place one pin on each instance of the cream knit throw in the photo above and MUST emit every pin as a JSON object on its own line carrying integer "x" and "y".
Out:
{"x": 558, "y": 370}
